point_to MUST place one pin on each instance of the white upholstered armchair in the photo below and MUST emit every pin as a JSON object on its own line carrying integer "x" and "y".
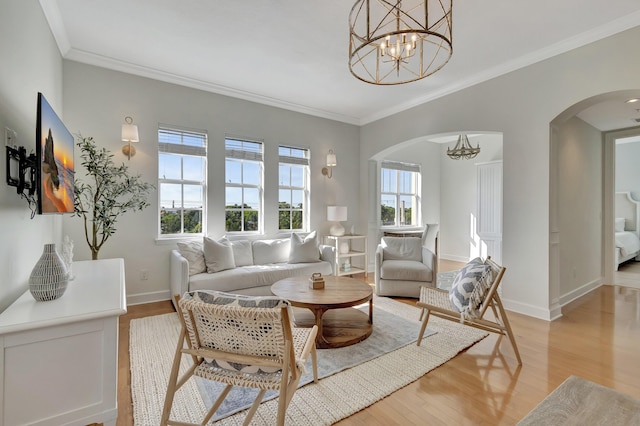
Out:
{"x": 404, "y": 264}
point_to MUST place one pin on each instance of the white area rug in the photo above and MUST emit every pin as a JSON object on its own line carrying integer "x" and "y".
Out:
{"x": 153, "y": 341}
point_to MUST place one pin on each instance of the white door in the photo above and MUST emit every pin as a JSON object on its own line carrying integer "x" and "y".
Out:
{"x": 489, "y": 221}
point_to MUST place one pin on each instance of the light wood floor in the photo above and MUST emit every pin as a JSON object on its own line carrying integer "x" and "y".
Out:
{"x": 628, "y": 274}
{"x": 598, "y": 338}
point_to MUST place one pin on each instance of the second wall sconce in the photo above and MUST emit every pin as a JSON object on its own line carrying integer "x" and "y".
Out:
{"x": 331, "y": 163}
{"x": 129, "y": 134}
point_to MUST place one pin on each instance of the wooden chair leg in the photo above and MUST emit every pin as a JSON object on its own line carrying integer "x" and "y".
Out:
{"x": 254, "y": 408}
{"x": 217, "y": 404}
{"x": 507, "y": 327}
{"x": 173, "y": 380}
{"x": 314, "y": 363}
{"x": 423, "y": 327}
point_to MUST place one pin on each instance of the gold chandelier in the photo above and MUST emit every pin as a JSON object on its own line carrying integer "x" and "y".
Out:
{"x": 395, "y": 42}
{"x": 463, "y": 149}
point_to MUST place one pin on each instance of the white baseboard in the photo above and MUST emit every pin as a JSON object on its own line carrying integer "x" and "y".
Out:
{"x": 140, "y": 298}
{"x": 580, "y": 291}
{"x": 454, "y": 258}
{"x": 530, "y": 310}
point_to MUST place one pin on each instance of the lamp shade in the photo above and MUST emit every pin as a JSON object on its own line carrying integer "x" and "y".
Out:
{"x": 331, "y": 160}
{"x": 130, "y": 133}
{"x": 336, "y": 213}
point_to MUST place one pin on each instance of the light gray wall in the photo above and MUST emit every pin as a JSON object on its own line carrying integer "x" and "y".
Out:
{"x": 628, "y": 168}
{"x": 580, "y": 178}
{"x": 96, "y": 102}
{"x": 29, "y": 63}
{"x": 521, "y": 106}
{"x": 459, "y": 202}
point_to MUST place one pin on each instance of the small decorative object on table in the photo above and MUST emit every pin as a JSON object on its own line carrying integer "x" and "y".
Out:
{"x": 316, "y": 281}
{"x": 346, "y": 266}
{"x": 67, "y": 256}
{"x": 49, "y": 277}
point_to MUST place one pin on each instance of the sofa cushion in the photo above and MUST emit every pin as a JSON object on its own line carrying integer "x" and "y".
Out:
{"x": 248, "y": 277}
{"x": 474, "y": 277}
{"x": 271, "y": 251}
{"x": 194, "y": 253}
{"x": 242, "y": 252}
{"x": 401, "y": 248}
{"x": 304, "y": 250}
{"x": 405, "y": 270}
{"x": 218, "y": 255}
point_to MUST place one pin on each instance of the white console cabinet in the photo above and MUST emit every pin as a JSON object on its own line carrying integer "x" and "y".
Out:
{"x": 59, "y": 359}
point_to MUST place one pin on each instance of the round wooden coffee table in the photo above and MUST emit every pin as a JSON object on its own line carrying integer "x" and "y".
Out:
{"x": 343, "y": 325}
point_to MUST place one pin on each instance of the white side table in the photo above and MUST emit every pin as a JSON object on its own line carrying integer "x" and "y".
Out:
{"x": 59, "y": 359}
{"x": 356, "y": 249}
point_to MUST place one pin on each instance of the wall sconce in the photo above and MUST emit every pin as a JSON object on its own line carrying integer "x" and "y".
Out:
{"x": 331, "y": 163}
{"x": 129, "y": 134}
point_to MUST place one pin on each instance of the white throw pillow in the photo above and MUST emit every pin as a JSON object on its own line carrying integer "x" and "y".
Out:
{"x": 193, "y": 252}
{"x": 271, "y": 251}
{"x": 242, "y": 252}
{"x": 218, "y": 255}
{"x": 619, "y": 224}
{"x": 402, "y": 248}
{"x": 304, "y": 250}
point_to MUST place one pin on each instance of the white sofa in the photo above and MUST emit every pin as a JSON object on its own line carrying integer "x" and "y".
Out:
{"x": 246, "y": 266}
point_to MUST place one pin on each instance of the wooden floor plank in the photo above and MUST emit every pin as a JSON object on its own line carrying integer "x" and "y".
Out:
{"x": 596, "y": 338}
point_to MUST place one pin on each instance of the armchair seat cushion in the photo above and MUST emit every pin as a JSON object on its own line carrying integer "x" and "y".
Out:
{"x": 405, "y": 270}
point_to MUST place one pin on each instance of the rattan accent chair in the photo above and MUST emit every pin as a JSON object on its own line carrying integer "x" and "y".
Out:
{"x": 262, "y": 339}
{"x": 435, "y": 301}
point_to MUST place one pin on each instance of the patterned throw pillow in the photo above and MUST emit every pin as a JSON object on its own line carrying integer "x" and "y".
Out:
{"x": 469, "y": 287}
{"x": 220, "y": 298}
{"x": 193, "y": 252}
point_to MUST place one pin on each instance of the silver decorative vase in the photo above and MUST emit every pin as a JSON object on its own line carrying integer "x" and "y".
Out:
{"x": 49, "y": 277}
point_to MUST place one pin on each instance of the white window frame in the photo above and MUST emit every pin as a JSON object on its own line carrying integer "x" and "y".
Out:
{"x": 416, "y": 214}
{"x": 241, "y": 155}
{"x": 304, "y": 163}
{"x": 182, "y": 151}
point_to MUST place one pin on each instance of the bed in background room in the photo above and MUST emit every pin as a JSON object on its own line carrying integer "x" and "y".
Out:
{"x": 627, "y": 234}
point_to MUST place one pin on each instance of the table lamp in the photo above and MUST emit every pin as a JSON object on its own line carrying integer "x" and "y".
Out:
{"x": 336, "y": 214}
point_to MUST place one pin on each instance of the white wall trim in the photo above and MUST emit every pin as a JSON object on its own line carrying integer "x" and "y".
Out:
{"x": 454, "y": 258}
{"x": 580, "y": 291}
{"x": 141, "y": 298}
{"x": 530, "y": 310}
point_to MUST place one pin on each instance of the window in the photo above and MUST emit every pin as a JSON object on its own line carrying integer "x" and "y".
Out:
{"x": 293, "y": 198}
{"x": 400, "y": 194}
{"x": 243, "y": 180}
{"x": 182, "y": 181}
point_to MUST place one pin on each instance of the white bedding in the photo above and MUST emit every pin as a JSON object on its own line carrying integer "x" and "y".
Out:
{"x": 628, "y": 243}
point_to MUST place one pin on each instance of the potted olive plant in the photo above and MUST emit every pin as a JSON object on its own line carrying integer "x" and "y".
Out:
{"x": 108, "y": 192}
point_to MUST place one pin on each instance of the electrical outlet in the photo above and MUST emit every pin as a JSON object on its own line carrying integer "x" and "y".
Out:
{"x": 144, "y": 274}
{"x": 10, "y": 137}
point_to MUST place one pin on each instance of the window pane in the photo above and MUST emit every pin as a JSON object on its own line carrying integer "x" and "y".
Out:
{"x": 388, "y": 210}
{"x": 169, "y": 221}
{"x": 296, "y": 220}
{"x": 251, "y": 173}
{"x": 192, "y": 140}
{"x": 297, "y": 197}
{"x": 233, "y": 171}
{"x": 170, "y": 195}
{"x": 405, "y": 182}
{"x": 285, "y": 198}
{"x": 285, "y": 175}
{"x": 297, "y": 177}
{"x": 251, "y": 220}
{"x": 192, "y": 196}
{"x": 406, "y": 204}
{"x": 168, "y": 166}
{"x": 252, "y": 198}
{"x": 233, "y": 220}
{"x": 193, "y": 168}
{"x": 284, "y": 218}
{"x": 388, "y": 180}
{"x": 193, "y": 221}
{"x": 233, "y": 197}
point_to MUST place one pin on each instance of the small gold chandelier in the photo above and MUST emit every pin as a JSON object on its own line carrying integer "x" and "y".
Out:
{"x": 463, "y": 149}
{"x": 395, "y": 42}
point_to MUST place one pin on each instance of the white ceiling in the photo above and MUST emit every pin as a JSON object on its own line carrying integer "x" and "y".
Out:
{"x": 293, "y": 53}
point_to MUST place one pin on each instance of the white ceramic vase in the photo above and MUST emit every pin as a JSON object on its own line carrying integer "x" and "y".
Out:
{"x": 49, "y": 278}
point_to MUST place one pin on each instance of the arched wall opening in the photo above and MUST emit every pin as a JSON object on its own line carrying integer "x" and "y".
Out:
{"x": 449, "y": 189}
{"x": 581, "y": 201}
